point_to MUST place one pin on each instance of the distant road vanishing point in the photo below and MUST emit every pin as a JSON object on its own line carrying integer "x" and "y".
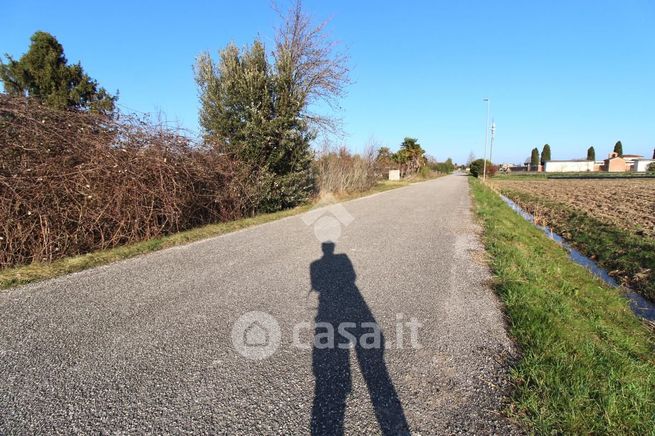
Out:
{"x": 233, "y": 334}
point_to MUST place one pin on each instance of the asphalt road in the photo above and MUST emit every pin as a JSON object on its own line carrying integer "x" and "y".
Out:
{"x": 145, "y": 345}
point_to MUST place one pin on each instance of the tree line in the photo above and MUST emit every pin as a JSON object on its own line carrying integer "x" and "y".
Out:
{"x": 77, "y": 175}
{"x": 255, "y": 101}
{"x": 536, "y": 159}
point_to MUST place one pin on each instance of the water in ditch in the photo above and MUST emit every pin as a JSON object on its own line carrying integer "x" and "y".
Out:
{"x": 639, "y": 305}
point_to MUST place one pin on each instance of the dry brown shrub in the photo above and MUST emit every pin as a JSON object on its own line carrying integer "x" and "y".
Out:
{"x": 73, "y": 182}
{"x": 339, "y": 171}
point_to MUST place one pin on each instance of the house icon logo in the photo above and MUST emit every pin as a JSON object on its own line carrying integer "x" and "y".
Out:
{"x": 328, "y": 221}
{"x": 256, "y": 335}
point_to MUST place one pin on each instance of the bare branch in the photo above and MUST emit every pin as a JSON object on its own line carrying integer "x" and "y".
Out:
{"x": 308, "y": 59}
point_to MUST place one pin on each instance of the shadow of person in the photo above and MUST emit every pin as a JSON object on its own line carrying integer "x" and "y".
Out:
{"x": 343, "y": 322}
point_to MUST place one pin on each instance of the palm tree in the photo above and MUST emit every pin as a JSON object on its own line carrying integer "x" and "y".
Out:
{"x": 411, "y": 155}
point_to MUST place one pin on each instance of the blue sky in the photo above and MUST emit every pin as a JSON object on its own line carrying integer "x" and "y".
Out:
{"x": 570, "y": 73}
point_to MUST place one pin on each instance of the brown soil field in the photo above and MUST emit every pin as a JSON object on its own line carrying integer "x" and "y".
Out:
{"x": 627, "y": 204}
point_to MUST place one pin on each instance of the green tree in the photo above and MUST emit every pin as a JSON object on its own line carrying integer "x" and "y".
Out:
{"x": 410, "y": 156}
{"x": 257, "y": 108}
{"x": 245, "y": 113}
{"x": 618, "y": 148}
{"x": 44, "y": 73}
{"x": 384, "y": 160}
{"x": 591, "y": 153}
{"x": 449, "y": 165}
{"x": 446, "y": 167}
{"x": 534, "y": 158}
{"x": 237, "y": 107}
{"x": 384, "y": 153}
{"x": 477, "y": 168}
{"x": 545, "y": 154}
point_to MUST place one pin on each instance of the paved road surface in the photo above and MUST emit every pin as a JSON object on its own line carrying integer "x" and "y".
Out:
{"x": 144, "y": 345}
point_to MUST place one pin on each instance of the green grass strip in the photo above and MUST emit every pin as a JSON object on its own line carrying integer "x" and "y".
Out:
{"x": 587, "y": 363}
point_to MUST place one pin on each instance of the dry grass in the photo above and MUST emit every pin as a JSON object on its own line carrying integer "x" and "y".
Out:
{"x": 339, "y": 171}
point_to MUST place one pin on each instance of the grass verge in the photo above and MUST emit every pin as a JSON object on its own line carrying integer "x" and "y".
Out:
{"x": 588, "y": 364}
{"x": 20, "y": 275}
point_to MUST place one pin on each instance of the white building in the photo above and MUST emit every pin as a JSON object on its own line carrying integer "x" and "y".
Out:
{"x": 568, "y": 166}
{"x": 630, "y": 160}
{"x": 640, "y": 165}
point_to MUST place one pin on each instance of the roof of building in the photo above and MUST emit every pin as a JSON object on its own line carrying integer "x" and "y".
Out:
{"x": 570, "y": 160}
{"x": 632, "y": 155}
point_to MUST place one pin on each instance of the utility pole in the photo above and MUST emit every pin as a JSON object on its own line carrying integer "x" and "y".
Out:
{"x": 493, "y": 135}
{"x": 486, "y": 138}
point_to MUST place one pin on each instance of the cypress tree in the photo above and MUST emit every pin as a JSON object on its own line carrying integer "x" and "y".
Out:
{"x": 618, "y": 148}
{"x": 534, "y": 158}
{"x": 591, "y": 153}
{"x": 545, "y": 154}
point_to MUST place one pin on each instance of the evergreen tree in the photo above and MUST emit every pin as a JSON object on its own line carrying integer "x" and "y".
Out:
{"x": 545, "y": 154}
{"x": 534, "y": 158}
{"x": 618, "y": 148}
{"x": 384, "y": 159}
{"x": 246, "y": 111}
{"x": 477, "y": 168}
{"x": 384, "y": 153}
{"x": 591, "y": 153}
{"x": 237, "y": 106}
{"x": 411, "y": 155}
{"x": 256, "y": 107}
{"x": 43, "y": 73}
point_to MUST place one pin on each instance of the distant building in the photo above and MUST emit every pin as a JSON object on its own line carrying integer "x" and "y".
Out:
{"x": 569, "y": 166}
{"x": 615, "y": 164}
{"x": 630, "y": 160}
{"x": 641, "y": 165}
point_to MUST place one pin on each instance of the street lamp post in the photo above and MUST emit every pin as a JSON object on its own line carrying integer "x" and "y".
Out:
{"x": 486, "y": 138}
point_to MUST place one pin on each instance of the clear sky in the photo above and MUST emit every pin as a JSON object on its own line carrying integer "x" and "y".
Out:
{"x": 570, "y": 73}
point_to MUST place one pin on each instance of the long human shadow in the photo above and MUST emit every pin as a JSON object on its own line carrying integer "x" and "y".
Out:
{"x": 341, "y": 304}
